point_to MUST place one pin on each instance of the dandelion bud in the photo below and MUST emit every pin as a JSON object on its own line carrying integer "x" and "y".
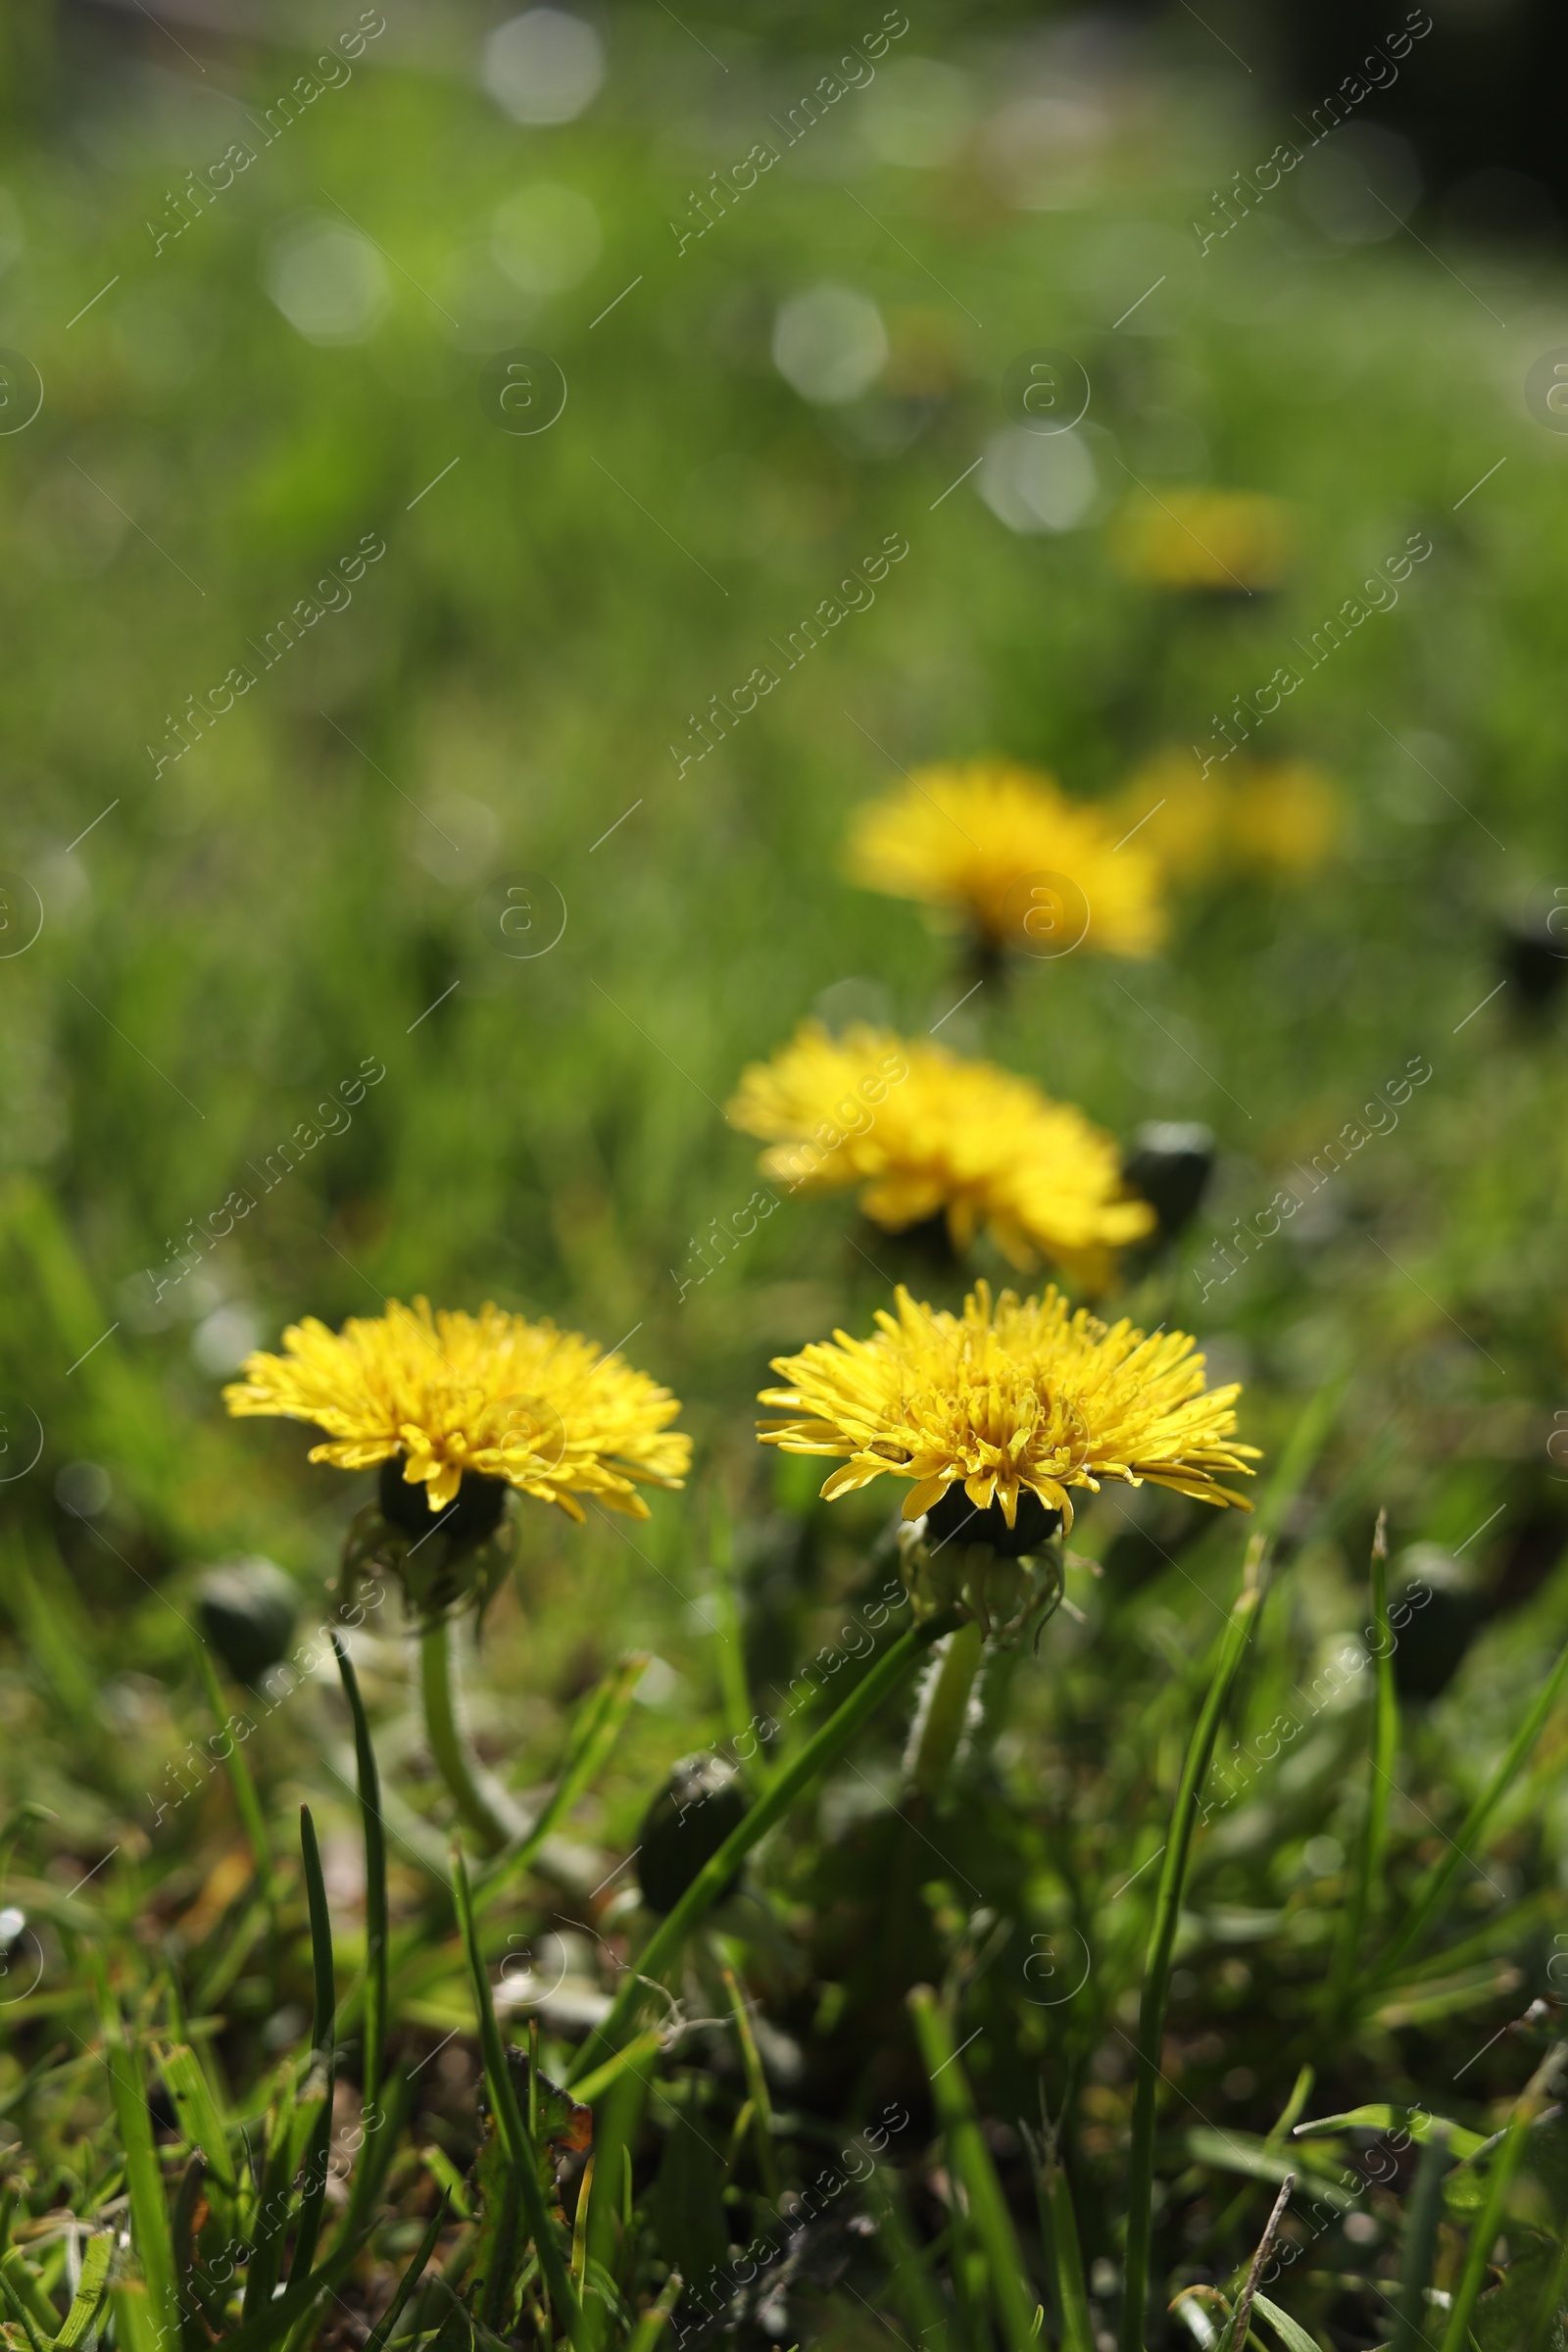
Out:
{"x": 247, "y": 1610}
{"x": 1170, "y": 1165}
{"x": 685, "y": 1826}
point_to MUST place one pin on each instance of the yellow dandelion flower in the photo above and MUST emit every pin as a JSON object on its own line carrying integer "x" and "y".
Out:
{"x": 1004, "y": 847}
{"x": 1026, "y": 1399}
{"x": 923, "y": 1133}
{"x": 1181, "y": 814}
{"x": 1287, "y": 820}
{"x": 545, "y": 1411}
{"x": 1283, "y": 818}
{"x": 1227, "y": 540}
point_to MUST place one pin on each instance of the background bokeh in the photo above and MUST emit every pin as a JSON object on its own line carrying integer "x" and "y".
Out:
{"x": 319, "y": 879}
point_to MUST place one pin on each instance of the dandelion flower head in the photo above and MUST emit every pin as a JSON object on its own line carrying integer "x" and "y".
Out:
{"x": 921, "y": 1132}
{"x": 1005, "y": 847}
{"x": 1019, "y": 1397}
{"x": 546, "y": 1410}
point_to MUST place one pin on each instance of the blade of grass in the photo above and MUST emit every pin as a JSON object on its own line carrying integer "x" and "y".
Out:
{"x": 1305, "y": 1442}
{"x": 757, "y": 2086}
{"x": 312, "y": 2196}
{"x": 1294, "y": 2338}
{"x": 1058, "y": 2235}
{"x": 21, "y": 2090}
{"x": 1483, "y": 2236}
{"x": 447, "y": 2177}
{"x": 39, "y": 2342}
{"x": 282, "y": 2313}
{"x": 929, "y": 2320}
{"x": 1421, "y": 2243}
{"x": 1505, "y": 2164}
{"x": 1551, "y": 2303}
{"x": 615, "y": 2123}
{"x": 375, "y": 1905}
{"x": 970, "y": 2161}
{"x": 246, "y": 1802}
{"x": 17, "y": 1822}
{"x": 1234, "y": 2337}
{"x": 1162, "y": 1943}
{"x": 188, "y": 2212}
{"x": 197, "y": 2109}
{"x": 1440, "y": 1878}
{"x": 597, "y": 1728}
{"x": 1365, "y": 1889}
{"x": 650, "y": 2326}
{"x": 91, "y": 2289}
{"x": 819, "y": 1751}
{"x": 438, "y": 2290}
{"x": 409, "y": 2281}
{"x": 120, "y": 1399}
{"x": 579, "y": 2227}
{"x": 632, "y": 2060}
{"x": 592, "y": 1736}
{"x": 380, "y": 2144}
{"x": 1418, "y": 2122}
{"x": 49, "y": 1633}
{"x": 1278, "y": 2132}
{"x": 520, "y": 2146}
{"x": 26, "y": 2285}
{"x": 265, "y": 2256}
{"x": 144, "y": 2183}
{"x": 233, "y": 1950}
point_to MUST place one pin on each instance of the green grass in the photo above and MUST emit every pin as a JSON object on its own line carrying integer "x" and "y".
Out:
{"x": 1363, "y": 1886}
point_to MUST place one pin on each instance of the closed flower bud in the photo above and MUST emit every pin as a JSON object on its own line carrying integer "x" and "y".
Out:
{"x": 685, "y": 1826}
{"x": 248, "y": 1610}
{"x": 1170, "y": 1165}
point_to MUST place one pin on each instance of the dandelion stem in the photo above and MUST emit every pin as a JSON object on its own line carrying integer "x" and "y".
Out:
{"x": 945, "y": 1710}
{"x": 447, "y": 1745}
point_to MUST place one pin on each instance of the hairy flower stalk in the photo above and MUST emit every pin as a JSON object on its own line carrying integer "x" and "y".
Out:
{"x": 946, "y": 1709}
{"x": 481, "y": 1805}
{"x": 458, "y": 1412}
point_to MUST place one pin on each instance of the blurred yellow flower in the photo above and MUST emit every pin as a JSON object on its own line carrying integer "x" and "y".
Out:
{"x": 1229, "y": 540}
{"x": 1284, "y": 819}
{"x": 1028, "y": 1397}
{"x": 1004, "y": 847}
{"x": 543, "y": 1409}
{"x": 922, "y": 1133}
{"x": 1180, "y": 815}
